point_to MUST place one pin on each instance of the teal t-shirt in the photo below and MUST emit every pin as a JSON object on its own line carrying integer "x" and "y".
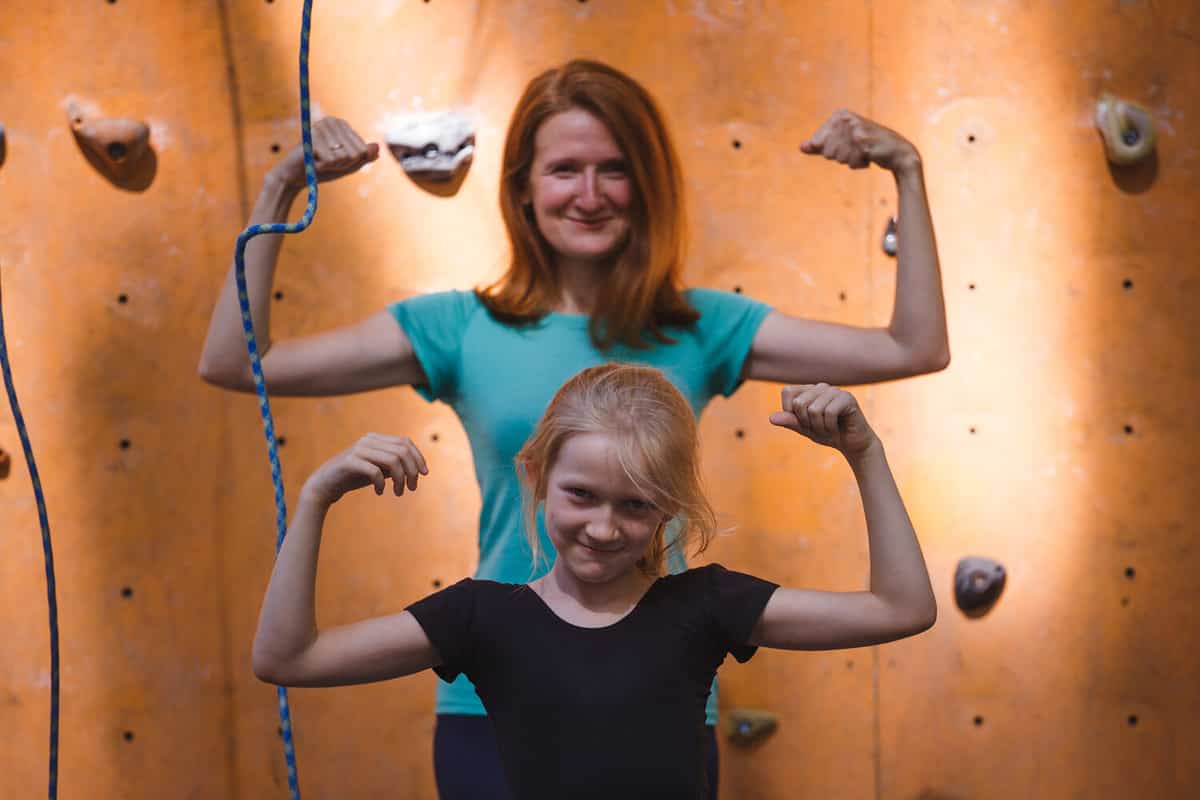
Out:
{"x": 499, "y": 378}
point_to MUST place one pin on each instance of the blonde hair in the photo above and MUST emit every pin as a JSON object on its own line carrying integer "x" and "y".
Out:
{"x": 643, "y": 293}
{"x": 657, "y": 447}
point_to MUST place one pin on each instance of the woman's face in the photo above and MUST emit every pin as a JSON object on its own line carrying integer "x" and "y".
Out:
{"x": 579, "y": 187}
{"x": 601, "y": 524}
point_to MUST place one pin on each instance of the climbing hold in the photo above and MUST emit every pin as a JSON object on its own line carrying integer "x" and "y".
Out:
{"x": 978, "y": 582}
{"x": 889, "y": 237}
{"x": 3, "y": 145}
{"x": 116, "y": 144}
{"x": 5, "y": 464}
{"x": 434, "y": 146}
{"x": 746, "y": 725}
{"x": 1127, "y": 129}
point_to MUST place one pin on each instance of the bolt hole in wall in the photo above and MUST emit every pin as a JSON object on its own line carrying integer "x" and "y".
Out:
{"x": 126, "y": 592}
{"x": 124, "y": 444}
{"x": 127, "y": 736}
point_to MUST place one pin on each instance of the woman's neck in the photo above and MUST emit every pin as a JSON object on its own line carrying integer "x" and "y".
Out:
{"x": 579, "y": 283}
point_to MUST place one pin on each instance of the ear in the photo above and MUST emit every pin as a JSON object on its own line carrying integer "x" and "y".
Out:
{"x": 532, "y": 472}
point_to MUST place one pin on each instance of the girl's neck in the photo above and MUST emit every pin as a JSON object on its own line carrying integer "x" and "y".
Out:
{"x": 616, "y": 596}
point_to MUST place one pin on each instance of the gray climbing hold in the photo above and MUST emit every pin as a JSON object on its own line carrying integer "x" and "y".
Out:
{"x": 889, "y": 237}
{"x": 978, "y": 583}
{"x": 746, "y": 725}
{"x": 431, "y": 146}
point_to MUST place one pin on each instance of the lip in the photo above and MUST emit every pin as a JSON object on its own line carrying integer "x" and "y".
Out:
{"x": 589, "y": 223}
{"x": 598, "y": 550}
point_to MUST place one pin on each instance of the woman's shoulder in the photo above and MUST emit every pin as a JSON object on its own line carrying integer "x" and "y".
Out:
{"x": 706, "y": 300}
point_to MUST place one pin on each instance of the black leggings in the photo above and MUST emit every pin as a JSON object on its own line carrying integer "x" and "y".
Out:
{"x": 466, "y": 763}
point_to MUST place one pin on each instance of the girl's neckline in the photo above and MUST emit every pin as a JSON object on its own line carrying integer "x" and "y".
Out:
{"x": 632, "y": 610}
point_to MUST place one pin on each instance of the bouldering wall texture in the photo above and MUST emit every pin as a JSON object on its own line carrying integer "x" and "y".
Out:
{"x": 1059, "y": 442}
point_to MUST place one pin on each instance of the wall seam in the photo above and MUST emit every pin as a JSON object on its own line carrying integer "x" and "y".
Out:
{"x": 222, "y": 499}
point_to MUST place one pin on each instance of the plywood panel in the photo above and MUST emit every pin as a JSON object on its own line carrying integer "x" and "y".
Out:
{"x": 1057, "y": 442}
{"x": 105, "y": 304}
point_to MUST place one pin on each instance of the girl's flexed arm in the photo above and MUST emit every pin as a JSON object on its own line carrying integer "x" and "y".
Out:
{"x": 900, "y": 600}
{"x": 288, "y": 647}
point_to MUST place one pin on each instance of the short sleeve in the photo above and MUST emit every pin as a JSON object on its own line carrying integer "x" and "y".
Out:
{"x": 734, "y": 603}
{"x": 448, "y": 619}
{"x": 435, "y": 324}
{"x": 726, "y": 328}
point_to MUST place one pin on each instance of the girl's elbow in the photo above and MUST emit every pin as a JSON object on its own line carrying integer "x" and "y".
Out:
{"x": 926, "y": 619}
{"x": 268, "y": 668}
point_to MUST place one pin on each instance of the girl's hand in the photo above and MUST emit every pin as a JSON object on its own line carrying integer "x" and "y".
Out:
{"x": 828, "y": 416}
{"x": 337, "y": 151}
{"x": 370, "y": 462}
{"x": 857, "y": 141}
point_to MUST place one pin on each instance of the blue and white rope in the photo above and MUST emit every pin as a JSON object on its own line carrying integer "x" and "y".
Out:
{"x": 47, "y": 550}
{"x": 260, "y": 386}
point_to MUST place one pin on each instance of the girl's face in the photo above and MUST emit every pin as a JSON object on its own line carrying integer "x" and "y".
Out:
{"x": 579, "y": 187}
{"x": 599, "y": 521}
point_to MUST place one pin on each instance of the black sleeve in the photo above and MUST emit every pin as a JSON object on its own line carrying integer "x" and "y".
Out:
{"x": 734, "y": 602}
{"x": 448, "y": 618}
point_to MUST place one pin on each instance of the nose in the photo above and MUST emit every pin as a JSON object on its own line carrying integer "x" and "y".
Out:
{"x": 589, "y": 199}
{"x": 601, "y": 531}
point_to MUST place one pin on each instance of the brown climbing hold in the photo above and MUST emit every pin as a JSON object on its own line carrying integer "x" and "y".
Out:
{"x": 1127, "y": 129}
{"x": 978, "y": 583}
{"x": 115, "y": 144}
{"x": 747, "y": 725}
{"x": 5, "y": 464}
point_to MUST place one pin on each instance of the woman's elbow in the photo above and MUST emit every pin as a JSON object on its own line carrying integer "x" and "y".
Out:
{"x": 214, "y": 375}
{"x": 930, "y": 363}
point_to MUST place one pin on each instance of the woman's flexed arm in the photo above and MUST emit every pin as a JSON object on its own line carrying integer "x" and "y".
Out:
{"x": 371, "y": 354}
{"x": 900, "y": 600}
{"x": 795, "y": 350}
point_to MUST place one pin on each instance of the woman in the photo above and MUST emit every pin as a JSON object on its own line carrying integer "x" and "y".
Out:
{"x": 592, "y": 199}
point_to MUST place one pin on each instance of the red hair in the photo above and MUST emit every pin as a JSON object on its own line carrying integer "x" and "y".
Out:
{"x": 643, "y": 292}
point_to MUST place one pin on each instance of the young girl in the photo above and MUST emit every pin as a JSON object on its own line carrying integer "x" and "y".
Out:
{"x": 595, "y": 676}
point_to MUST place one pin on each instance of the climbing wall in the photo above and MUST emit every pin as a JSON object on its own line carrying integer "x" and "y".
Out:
{"x": 106, "y": 289}
{"x": 1058, "y": 441}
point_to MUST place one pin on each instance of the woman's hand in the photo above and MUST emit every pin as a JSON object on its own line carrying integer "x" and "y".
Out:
{"x": 370, "y": 462}
{"x": 337, "y": 151}
{"x": 828, "y": 416}
{"x": 857, "y": 141}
